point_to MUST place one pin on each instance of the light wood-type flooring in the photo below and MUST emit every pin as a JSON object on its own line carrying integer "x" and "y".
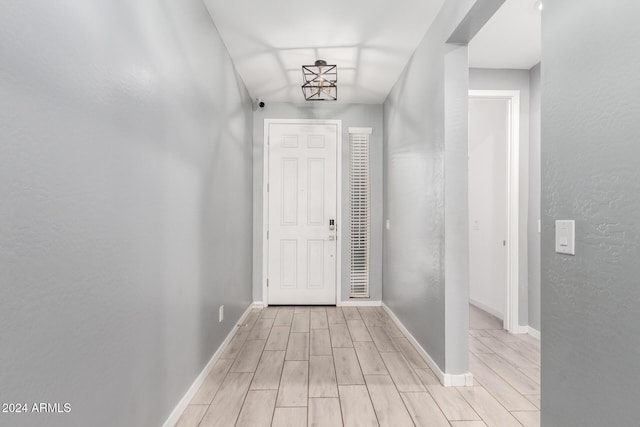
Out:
{"x": 331, "y": 366}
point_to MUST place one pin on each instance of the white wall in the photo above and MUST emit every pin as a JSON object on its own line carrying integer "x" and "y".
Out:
{"x": 355, "y": 115}
{"x": 125, "y": 206}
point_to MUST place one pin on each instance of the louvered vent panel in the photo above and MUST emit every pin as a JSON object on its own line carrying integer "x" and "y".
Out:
{"x": 360, "y": 214}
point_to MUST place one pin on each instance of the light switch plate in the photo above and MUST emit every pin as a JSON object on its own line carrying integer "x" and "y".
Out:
{"x": 566, "y": 237}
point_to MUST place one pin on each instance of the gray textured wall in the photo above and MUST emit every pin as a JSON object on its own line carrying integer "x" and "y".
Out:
{"x": 355, "y": 115}
{"x": 489, "y": 79}
{"x": 590, "y": 173}
{"x": 425, "y": 273}
{"x": 125, "y": 206}
{"x": 533, "y": 240}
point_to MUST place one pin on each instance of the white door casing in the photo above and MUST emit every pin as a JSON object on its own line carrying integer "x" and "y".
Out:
{"x": 302, "y": 250}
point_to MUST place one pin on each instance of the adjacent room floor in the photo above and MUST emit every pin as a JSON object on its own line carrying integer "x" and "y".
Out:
{"x": 328, "y": 366}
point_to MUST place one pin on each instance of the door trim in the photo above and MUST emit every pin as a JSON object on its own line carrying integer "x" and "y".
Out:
{"x": 265, "y": 201}
{"x": 510, "y": 320}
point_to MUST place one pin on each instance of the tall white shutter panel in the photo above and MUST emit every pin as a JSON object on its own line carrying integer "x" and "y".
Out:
{"x": 360, "y": 211}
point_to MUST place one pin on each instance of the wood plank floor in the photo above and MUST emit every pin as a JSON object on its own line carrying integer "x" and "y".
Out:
{"x": 332, "y": 366}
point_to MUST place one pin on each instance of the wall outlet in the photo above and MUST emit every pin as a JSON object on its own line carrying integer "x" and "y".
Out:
{"x": 221, "y": 313}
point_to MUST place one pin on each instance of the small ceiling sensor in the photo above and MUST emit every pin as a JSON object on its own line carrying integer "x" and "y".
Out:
{"x": 538, "y": 6}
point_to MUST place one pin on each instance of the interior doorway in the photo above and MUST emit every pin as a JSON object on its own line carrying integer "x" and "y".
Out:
{"x": 493, "y": 203}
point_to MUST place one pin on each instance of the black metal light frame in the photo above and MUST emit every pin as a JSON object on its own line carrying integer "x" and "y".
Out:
{"x": 320, "y": 82}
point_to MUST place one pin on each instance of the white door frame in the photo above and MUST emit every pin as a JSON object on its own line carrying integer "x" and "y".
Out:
{"x": 510, "y": 320}
{"x": 265, "y": 201}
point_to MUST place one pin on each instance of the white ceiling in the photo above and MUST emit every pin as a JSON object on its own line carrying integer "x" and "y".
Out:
{"x": 370, "y": 41}
{"x": 511, "y": 38}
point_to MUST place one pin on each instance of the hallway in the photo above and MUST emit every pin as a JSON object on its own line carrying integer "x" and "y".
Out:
{"x": 332, "y": 366}
{"x": 134, "y": 163}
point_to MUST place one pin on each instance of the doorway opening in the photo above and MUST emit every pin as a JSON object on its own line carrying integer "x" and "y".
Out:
{"x": 494, "y": 203}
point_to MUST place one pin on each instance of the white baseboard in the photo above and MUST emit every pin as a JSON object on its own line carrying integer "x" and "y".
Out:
{"x": 447, "y": 380}
{"x": 184, "y": 402}
{"x": 520, "y": 330}
{"x": 486, "y": 308}
{"x": 533, "y": 332}
{"x": 524, "y": 330}
{"x": 359, "y": 303}
{"x": 349, "y": 303}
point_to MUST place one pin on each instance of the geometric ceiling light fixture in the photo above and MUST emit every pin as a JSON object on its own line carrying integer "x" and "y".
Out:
{"x": 320, "y": 81}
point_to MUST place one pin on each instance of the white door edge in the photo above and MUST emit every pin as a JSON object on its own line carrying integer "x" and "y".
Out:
{"x": 510, "y": 322}
{"x": 265, "y": 201}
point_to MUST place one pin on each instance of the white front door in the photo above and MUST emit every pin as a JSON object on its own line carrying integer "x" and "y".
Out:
{"x": 302, "y": 210}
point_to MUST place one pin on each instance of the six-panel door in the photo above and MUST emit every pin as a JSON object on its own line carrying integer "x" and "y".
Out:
{"x": 302, "y": 202}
